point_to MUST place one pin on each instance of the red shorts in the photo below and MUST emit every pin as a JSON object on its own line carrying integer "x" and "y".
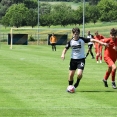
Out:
{"x": 109, "y": 61}
{"x": 98, "y": 49}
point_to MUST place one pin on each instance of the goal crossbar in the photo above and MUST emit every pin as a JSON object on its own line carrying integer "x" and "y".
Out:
{"x": 11, "y": 33}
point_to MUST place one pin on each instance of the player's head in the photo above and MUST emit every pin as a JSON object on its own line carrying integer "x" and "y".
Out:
{"x": 96, "y": 33}
{"x": 113, "y": 33}
{"x": 88, "y": 32}
{"x": 76, "y": 33}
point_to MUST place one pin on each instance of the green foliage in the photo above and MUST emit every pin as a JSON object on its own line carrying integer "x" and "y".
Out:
{"x": 31, "y": 17}
{"x": 31, "y": 38}
{"x": 92, "y": 13}
{"x": 58, "y": 13}
{"x": 15, "y": 15}
{"x": 4, "y": 5}
{"x": 108, "y": 10}
{"x": 93, "y": 2}
{"x": 31, "y": 4}
{"x": 77, "y": 18}
{"x": 44, "y": 8}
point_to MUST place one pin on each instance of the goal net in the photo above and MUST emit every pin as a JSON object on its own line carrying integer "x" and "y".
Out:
{"x": 41, "y": 35}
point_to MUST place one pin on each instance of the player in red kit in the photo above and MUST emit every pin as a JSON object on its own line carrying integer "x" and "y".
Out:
{"x": 110, "y": 57}
{"x": 98, "y": 47}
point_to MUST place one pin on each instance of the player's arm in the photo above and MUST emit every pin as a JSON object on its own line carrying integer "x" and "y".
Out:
{"x": 50, "y": 39}
{"x": 115, "y": 48}
{"x": 100, "y": 42}
{"x": 65, "y": 50}
{"x": 63, "y": 53}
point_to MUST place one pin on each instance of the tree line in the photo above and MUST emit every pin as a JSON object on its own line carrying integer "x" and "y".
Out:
{"x": 26, "y": 13}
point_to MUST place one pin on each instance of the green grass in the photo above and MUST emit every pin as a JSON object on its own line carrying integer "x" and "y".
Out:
{"x": 102, "y": 27}
{"x": 33, "y": 81}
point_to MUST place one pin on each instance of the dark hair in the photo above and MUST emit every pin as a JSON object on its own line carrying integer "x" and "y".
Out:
{"x": 75, "y": 30}
{"x": 96, "y": 32}
{"x": 113, "y": 31}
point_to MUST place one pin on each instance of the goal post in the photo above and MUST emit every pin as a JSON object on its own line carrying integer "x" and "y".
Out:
{"x": 20, "y": 32}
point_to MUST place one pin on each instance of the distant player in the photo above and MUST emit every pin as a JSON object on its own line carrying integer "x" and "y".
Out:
{"x": 77, "y": 60}
{"x": 90, "y": 45}
{"x": 110, "y": 57}
{"x": 53, "y": 41}
{"x": 98, "y": 47}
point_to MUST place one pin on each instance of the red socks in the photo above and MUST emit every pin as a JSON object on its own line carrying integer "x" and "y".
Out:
{"x": 113, "y": 75}
{"x": 106, "y": 75}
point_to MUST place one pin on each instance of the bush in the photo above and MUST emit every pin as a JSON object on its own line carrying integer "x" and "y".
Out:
{"x": 3, "y": 40}
{"x": 31, "y": 38}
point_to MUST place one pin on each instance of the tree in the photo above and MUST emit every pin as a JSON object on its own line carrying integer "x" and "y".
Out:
{"x": 93, "y": 13}
{"x": 62, "y": 12}
{"x": 31, "y": 17}
{"x": 107, "y": 10}
{"x": 78, "y": 16}
{"x": 46, "y": 20}
{"x": 15, "y": 15}
{"x": 5, "y": 21}
{"x": 45, "y": 15}
{"x": 93, "y": 2}
{"x": 4, "y": 5}
{"x": 17, "y": 1}
{"x": 44, "y": 8}
{"x": 30, "y": 4}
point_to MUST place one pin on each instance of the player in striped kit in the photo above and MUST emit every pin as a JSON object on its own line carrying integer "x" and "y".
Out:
{"x": 77, "y": 60}
{"x": 90, "y": 45}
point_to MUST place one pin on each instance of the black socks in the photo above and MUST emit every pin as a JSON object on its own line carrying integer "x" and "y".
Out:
{"x": 77, "y": 83}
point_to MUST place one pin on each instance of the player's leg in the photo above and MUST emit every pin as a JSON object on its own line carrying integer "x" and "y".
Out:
{"x": 111, "y": 69}
{"x": 55, "y": 47}
{"x": 109, "y": 62}
{"x": 113, "y": 75}
{"x": 97, "y": 53}
{"x": 90, "y": 50}
{"x": 72, "y": 69}
{"x": 79, "y": 76}
{"x": 97, "y": 56}
{"x": 80, "y": 66}
{"x": 52, "y": 47}
{"x": 107, "y": 74}
{"x": 100, "y": 54}
{"x": 71, "y": 77}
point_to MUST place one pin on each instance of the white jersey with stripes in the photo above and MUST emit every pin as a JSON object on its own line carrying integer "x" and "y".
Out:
{"x": 77, "y": 46}
{"x": 90, "y": 36}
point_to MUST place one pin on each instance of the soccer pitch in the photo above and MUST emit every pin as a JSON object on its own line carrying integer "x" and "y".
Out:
{"x": 33, "y": 82}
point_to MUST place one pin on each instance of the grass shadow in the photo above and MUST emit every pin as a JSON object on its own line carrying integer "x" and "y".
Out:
{"x": 97, "y": 91}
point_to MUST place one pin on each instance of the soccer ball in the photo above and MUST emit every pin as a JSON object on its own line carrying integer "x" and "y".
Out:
{"x": 71, "y": 89}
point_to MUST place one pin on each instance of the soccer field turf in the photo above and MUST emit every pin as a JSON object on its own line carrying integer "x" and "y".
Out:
{"x": 33, "y": 82}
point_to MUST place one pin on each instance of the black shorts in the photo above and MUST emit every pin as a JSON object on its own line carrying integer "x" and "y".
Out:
{"x": 53, "y": 44}
{"x": 90, "y": 46}
{"x": 77, "y": 64}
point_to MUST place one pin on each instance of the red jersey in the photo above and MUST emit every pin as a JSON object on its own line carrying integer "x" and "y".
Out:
{"x": 109, "y": 51}
{"x": 99, "y": 37}
{"x": 98, "y": 47}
